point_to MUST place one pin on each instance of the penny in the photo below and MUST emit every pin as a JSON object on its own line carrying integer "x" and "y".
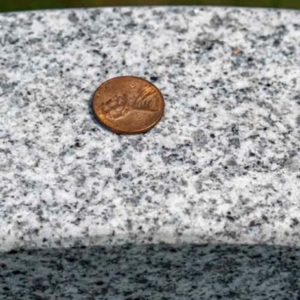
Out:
{"x": 128, "y": 105}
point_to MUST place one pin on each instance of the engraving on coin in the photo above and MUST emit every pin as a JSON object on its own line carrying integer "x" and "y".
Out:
{"x": 116, "y": 107}
{"x": 128, "y": 105}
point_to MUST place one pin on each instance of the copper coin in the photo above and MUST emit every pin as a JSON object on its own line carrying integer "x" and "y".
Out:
{"x": 128, "y": 105}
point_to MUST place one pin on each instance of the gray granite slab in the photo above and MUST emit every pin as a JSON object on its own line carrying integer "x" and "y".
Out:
{"x": 223, "y": 165}
{"x": 219, "y": 177}
{"x": 154, "y": 272}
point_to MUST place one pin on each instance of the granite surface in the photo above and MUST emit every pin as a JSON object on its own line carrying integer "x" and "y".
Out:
{"x": 91, "y": 209}
{"x": 152, "y": 272}
{"x": 223, "y": 165}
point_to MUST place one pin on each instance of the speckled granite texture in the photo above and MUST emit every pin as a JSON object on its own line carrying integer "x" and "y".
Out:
{"x": 221, "y": 168}
{"x": 223, "y": 165}
{"x": 152, "y": 272}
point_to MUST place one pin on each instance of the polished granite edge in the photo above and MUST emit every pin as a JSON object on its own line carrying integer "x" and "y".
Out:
{"x": 152, "y": 272}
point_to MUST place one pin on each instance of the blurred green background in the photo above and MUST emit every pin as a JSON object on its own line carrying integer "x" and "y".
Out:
{"x": 12, "y": 5}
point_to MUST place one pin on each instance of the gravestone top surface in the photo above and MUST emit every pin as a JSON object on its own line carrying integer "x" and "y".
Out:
{"x": 221, "y": 167}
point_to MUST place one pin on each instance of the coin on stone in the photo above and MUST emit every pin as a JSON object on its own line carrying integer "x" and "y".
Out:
{"x": 128, "y": 105}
